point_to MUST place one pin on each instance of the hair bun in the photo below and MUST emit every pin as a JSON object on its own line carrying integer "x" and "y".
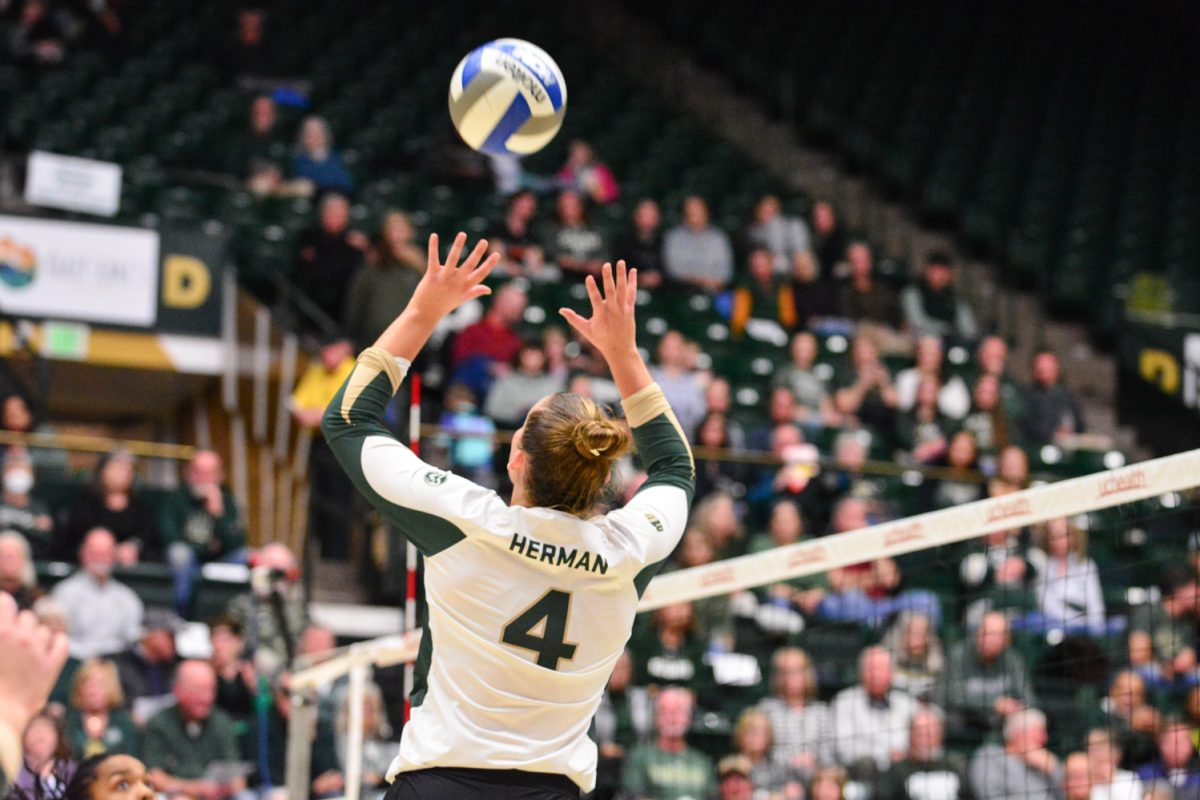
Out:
{"x": 596, "y": 438}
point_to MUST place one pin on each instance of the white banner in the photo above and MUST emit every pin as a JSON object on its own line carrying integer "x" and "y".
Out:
{"x": 76, "y": 184}
{"x": 77, "y": 271}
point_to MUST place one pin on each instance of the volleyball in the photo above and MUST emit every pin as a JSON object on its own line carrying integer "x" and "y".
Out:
{"x": 507, "y": 97}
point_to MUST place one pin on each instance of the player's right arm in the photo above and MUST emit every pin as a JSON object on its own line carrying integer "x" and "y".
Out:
{"x": 661, "y": 505}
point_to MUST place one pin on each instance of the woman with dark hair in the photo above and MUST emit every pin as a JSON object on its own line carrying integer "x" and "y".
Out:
{"x": 111, "y": 502}
{"x": 395, "y": 266}
{"x": 102, "y": 777}
{"x": 531, "y": 602}
{"x": 717, "y": 474}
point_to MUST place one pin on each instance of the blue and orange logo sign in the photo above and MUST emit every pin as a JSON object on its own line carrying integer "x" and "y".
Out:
{"x": 18, "y": 263}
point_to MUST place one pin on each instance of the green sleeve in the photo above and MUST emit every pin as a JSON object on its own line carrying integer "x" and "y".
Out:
{"x": 228, "y": 528}
{"x": 154, "y": 754}
{"x": 130, "y": 740}
{"x": 665, "y": 454}
{"x": 223, "y": 727}
{"x": 355, "y": 415}
{"x": 633, "y": 775}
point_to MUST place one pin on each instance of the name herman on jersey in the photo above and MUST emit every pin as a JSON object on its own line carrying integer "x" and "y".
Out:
{"x": 558, "y": 556}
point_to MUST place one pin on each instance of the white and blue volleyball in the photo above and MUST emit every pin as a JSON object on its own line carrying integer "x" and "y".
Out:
{"x": 508, "y": 97}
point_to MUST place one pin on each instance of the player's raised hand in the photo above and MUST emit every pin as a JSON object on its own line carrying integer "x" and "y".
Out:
{"x": 611, "y": 328}
{"x": 447, "y": 285}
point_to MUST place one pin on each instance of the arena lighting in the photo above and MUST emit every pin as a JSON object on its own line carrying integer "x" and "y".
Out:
{"x": 836, "y": 343}
{"x": 700, "y": 302}
{"x": 1114, "y": 459}
{"x": 656, "y": 326}
{"x": 957, "y": 355}
{"x": 747, "y": 396}
{"x": 912, "y": 477}
{"x": 703, "y": 361}
{"x": 762, "y": 366}
{"x": 824, "y": 371}
{"x": 1171, "y": 500}
{"x": 1050, "y": 454}
{"x": 717, "y": 332}
{"x": 535, "y": 315}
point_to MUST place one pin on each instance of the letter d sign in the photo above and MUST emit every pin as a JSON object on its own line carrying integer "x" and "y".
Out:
{"x": 186, "y": 282}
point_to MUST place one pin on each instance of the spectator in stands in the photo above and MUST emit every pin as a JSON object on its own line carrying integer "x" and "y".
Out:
{"x": 468, "y": 435}
{"x": 146, "y": 670}
{"x": 991, "y": 358}
{"x": 712, "y": 617}
{"x": 716, "y": 515}
{"x": 17, "y": 576}
{"x": 1139, "y": 649}
{"x": 1012, "y": 467}
{"x": 484, "y": 350}
{"x": 812, "y": 292}
{"x": 923, "y": 431}
{"x": 785, "y": 527}
{"x": 378, "y": 747}
{"x": 717, "y": 474}
{"x": 782, "y": 411}
{"x": 763, "y": 302}
{"x": 988, "y": 422}
{"x": 395, "y": 266}
{"x": 110, "y": 502}
{"x": 571, "y": 242}
{"x": 782, "y": 236}
{"x": 258, "y": 148}
{"x": 104, "y": 615}
{"x": 200, "y": 523}
{"x": 317, "y": 162}
{"x": 331, "y": 494}
{"x": 962, "y": 482}
{"x": 1077, "y": 779}
{"x": 330, "y": 256}
{"x": 668, "y": 768}
{"x": 1178, "y": 764}
{"x": 38, "y": 37}
{"x": 932, "y": 307}
{"x": 814, "y": 406}
{"x": 867, "y": 393}
{"x": 324, "y": 771}
{"x": 235, "y": 673}
{"x": 753, "y": 738}
{"x": 46, "y": 763}
{"x": 718, "y": 400}
{"x": 1051, "y": 408}
{"x": 1109, "y": 781}
{"x": 1171, "y": 623}
{"x": 622, "y": 720}
{"x": 917, "y": 655}
{"x": 871, "y": 720}
{"x": 183, "y": 743}
{"x": 669, "y": 653}
{"x": 521, "y": 251}
{"x": 641, "y": 246}
{"x": 1126, "y": 712}
{"x": 249, "y": 54}
{"x": 1020, "y": 769}
{"x": 801, "y": 724}
{"x": 733, "y": 778}
{"x": 828, "y": 240}
{"x": 19, "y": 510}
{"x": 846, "y": 478}
{"x": 1068, "y": 583}
{"x": 954, "y": 399}
{"x": 862, "y": 298}
{"x": 926, "y": 772}
{"x": 681, "y": 386}
{"x": 697, "y": 253}
{"x": 985, "y": 681}
{"x": 275, "y": 611}
{"x": 317, "y": 645}
{"x": 587, "y": 176}
{"x": 96, "y": 721}
{"x": 514, "y": 393}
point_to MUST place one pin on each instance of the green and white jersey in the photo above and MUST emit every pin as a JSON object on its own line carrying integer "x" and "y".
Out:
{"x": 529, "y": 608}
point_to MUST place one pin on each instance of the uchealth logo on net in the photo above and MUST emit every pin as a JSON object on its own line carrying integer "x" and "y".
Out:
{"x": 717, "y": 577}
{"x": 18, "y": 263}
{"x": 809, "y": 555}
{"x": 1125, "y": 482}
{"x": 1007, "y": 509}
{"x": 900, "y": 534}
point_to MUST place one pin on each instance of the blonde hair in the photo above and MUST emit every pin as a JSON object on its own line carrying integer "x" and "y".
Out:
{"x": 806, "y": 666}
{"x": 106, "y": 671}
{"x": 749, "y": 717}
{"x": 571, "y": 443}
{"x": 1076, "y": 535}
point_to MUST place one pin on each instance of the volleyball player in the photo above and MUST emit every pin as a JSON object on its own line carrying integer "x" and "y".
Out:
{"x": 530, "y": 603}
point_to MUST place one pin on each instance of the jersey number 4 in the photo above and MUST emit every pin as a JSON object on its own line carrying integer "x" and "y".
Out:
{"x": 542, "y": 628}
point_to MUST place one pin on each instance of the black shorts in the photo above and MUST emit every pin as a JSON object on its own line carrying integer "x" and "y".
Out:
{"x": 459, "y": 783}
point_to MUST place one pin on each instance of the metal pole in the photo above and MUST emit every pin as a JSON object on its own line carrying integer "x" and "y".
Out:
{"x": 262, "y": 370}
{"x": 301, "y": 720}
{"x": 354, "y": 740}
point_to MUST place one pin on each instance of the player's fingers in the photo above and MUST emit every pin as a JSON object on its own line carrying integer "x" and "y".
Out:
{"x": 486, "y": 267}
{"x": 476, "y": 255}
{"x": 574, "y": 320}
{"x": 433, "y": 250}
{"x": 8, "y": 609}
{"x": 478, "y": 291}
{"x": 41, "y": 639}
{"x": 57, "y": 652}
{"x": 610, "y": 288}
{"x": 631, "y": 290}
{"x": 593, "y": 293}
{"x": 621, "y": 282}
{"x": 456, "y": 250}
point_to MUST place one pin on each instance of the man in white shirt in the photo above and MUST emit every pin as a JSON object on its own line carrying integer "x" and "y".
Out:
{"x": 104, "y": 616}
{"x": 1109, "y": 782}
{"x": 871, "y": 720}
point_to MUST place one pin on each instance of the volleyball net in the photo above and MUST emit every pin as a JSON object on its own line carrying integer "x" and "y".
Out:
{"x": 1075, "y": 598}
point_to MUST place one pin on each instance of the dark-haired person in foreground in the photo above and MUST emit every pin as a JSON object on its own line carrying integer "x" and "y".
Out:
{"x": 530, "y": 602}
